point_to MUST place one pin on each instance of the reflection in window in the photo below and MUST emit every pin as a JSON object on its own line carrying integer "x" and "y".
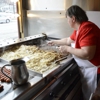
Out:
{"x": 8, "y": 20}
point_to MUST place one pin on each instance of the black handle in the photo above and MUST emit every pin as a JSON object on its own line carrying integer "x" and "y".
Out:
{"x": 4, "y": 72}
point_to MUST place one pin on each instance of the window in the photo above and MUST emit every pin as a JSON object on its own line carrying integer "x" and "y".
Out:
{"x": 8, "y": 20}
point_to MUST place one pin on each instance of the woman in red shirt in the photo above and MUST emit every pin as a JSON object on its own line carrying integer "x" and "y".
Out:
{"x": 84, "y": 45}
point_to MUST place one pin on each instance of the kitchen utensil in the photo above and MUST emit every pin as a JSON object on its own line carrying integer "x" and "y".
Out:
{"x": 19, "y": 72}
{"x": 60, "y": 59}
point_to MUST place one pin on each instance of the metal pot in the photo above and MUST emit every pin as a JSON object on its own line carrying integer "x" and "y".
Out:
{"x": 19, "y": 72}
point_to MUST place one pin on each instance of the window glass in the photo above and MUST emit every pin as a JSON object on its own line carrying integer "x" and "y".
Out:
{"x": 8, "y": 20}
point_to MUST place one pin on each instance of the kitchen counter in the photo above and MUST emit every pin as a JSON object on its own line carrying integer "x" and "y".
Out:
{"x": 22, "y": 90}
{"x": 37, "y": 83}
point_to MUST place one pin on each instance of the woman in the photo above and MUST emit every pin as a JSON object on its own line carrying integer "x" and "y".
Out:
{"x": 84, "y": 45}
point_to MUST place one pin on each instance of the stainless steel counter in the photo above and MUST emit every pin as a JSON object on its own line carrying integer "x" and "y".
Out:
{"x": 34, "y": 84}
{"x": 65, "y": 75}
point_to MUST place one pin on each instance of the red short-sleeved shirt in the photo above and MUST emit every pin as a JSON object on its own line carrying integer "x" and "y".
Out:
{"x": 88, "y": 35}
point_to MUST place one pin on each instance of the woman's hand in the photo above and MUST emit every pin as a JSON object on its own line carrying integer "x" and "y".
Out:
{"x": 53, "y": 42}
{"x": 63, "y": 49}
{"x": 50, "y": 43}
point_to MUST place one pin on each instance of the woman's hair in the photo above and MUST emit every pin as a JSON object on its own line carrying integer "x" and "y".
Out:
{"x": 77, "y": 12}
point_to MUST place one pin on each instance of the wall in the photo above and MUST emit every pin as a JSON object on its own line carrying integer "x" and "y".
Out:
{"x": 53, "y": 23}
{"x": 94, "y": 16}
{"x": 42, "y": 16}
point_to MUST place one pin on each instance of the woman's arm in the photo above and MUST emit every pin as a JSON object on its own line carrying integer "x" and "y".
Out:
{"x": 86, "y": 52}
{"x": 64, "y": 41}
